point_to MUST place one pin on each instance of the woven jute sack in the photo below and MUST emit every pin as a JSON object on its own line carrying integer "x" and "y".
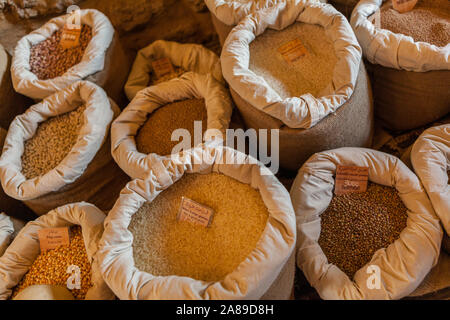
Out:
{"x": 267, "y": 272}
{"x": 430, "y": 157}
{"x": 410, "y": 79}
{"x": 403, "y": 265}
{"x": 87, "y": 173}
{"x": 20, "y": 255}
{"x": 12, "y": 103}
{"x": 187, "y": 56}
{"x": 307, "y": 124}
{"x": 103, "y": 62}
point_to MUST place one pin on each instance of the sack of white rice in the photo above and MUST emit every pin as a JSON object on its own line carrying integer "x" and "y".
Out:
{"x": 430, "y": 157}
{"x": 54, "y": 152}
{"x": 146, "y": 126}
{"x": 182, "y": 57}
{"x": 241, "y": 247}
{"x": 24, "y": 264}
{"x": 378, "y": 244}
{"x": 297, "y": 67}
{"x": 42, "y": 66}
{"x": 408, "y": 55}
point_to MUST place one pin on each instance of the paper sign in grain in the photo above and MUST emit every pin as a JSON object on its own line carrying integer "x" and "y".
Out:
{"x": 404, "y": 5}
{"x": 195, "y": 212}
{"x": 292, "y": 50}
{"x": 162, "y": 66}
{"x": 70, "y": 37}
{"x": 351, "y": 179}
{"x": 51, "y": 238}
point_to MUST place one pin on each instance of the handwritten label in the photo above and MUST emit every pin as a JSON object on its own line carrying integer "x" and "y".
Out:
{"x": 70, "y": 36}
{"x": 292, "y": 50}
{"x": 51, "y": 238}
{"x": 162, "y": 67}
{"x": 351, "y": 179}
{"x": 195, "y": 212}
{"x": 404, "y": 5}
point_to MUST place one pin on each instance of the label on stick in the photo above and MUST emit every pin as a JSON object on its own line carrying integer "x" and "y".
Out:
{"x": 351, "y": 179}
{"x": 292, "y": 50}
{"x": 404, "y": 5}
{"x": 51, "y": 238}
{"x": 162, "y": 66}
{"x": 195, "y": 212}
{"x": 70, "y": 36}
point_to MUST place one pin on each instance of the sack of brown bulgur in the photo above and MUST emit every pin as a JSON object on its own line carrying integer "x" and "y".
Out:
{"x": 6, "y": 231}
{"x": 41, "y": 66}
{"x": 409, "y": 60}
{"x": 183, "y": 57}
{"x": 244, "y": 252}
{"x": 54, "y": 152}
{"x": 24, "y": 264}
{"x": 378, "y": 244}
{"x": 145, "y": 126}
{"x": 297, "y": 67}
{"x": 430, "y": 157}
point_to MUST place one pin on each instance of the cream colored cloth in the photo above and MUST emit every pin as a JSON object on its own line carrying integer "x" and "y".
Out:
{"x": 6, "y": 232}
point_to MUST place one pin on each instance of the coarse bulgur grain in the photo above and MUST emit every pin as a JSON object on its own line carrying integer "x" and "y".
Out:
{"x": 355, "y": 225}
{"x": 50, "y": 267}
{"x": 49, "y": 60}
{"x": 52, "y": 141}
{"x": 163, "y": 246}
{"x": 429, "y": 21}
{"x": 154, "y": 80}
{"x": 155, "y": 135}
{"x": 312, "y": 73}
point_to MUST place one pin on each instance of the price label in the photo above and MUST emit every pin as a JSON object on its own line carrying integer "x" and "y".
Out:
{"x": 51, "y": 238}
{"x": 404, "y": 5}
{"x": 195, "y": 212}
{"x": 70, "y": 36}
{"x": 162, "y": 67}
{"x": 351, "y": 179}
{"x": 292, "y": 50}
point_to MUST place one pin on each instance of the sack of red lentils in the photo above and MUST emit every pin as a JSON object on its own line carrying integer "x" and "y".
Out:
{"x": 41, "y": 66}
{"x": 296, "y": 67}
{"x": 240, "y": 247}
{"x": 375, "y": 243}
{"x": 197, "y": 104}
{"x": 24, "y": 264}
{"x": 177, "y": 58}
{"x": 6, "y": 231}
{"x": 430, "y": 157}
{"x": 54, "y": 152}
{"x": 409, "y": 60}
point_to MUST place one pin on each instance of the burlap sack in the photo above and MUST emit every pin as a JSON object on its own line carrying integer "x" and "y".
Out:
{"x": 189, "y": 57}
{"x": 77, "y": 177}
{"x": 22, "y": 252}
{"x": 6, "y": 231}
{"x": 403, "y": 264}
{"x": 189, "y": 86}
{"x": 430, "y": 157}
{"x": 267, "y": 272}
{"x": 409, "y": 78}
{"x": 103, "y": 62}
{"x": 11, "y": 103}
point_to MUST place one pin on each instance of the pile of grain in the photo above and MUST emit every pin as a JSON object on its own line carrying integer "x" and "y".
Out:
{"x": 356, "y": 225}
{"x": 312, "y": 73}
{"x": 428, "y": 22}
{"x": 51, "y": 266}
{"x": 53, "y": 140}
{"x": 163, "y": 246}
{"x": 155, "y": 135}
{"x": 49, "y": 60}
{"x": 154, "y": 80}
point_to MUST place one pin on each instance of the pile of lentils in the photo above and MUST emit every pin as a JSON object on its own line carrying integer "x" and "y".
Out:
{"x": 355, "y": 225}
{"x": 49, "y": 60}
{"x": 52, "y": 142}
{"x": 50, "y": 267}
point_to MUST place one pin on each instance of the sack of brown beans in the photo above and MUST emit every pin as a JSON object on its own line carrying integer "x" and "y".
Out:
{"x": 12, "y": 103}
{"x": 408, "y": 59}
{"x": 6, "y": 231}
{"x": 55, "y": 151}
{"x": 344, "y": 6}
{"x": 245, "y": 251}
{"x": 182, "y": 57}
{"x": 297, "y": 67}
{"x": 430, "y": 157}
{"x": 24, "y": 264}
{"x": 41, "y": 66}
{"x": 145, "y": 127}
{"x": 377, "y": 243}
